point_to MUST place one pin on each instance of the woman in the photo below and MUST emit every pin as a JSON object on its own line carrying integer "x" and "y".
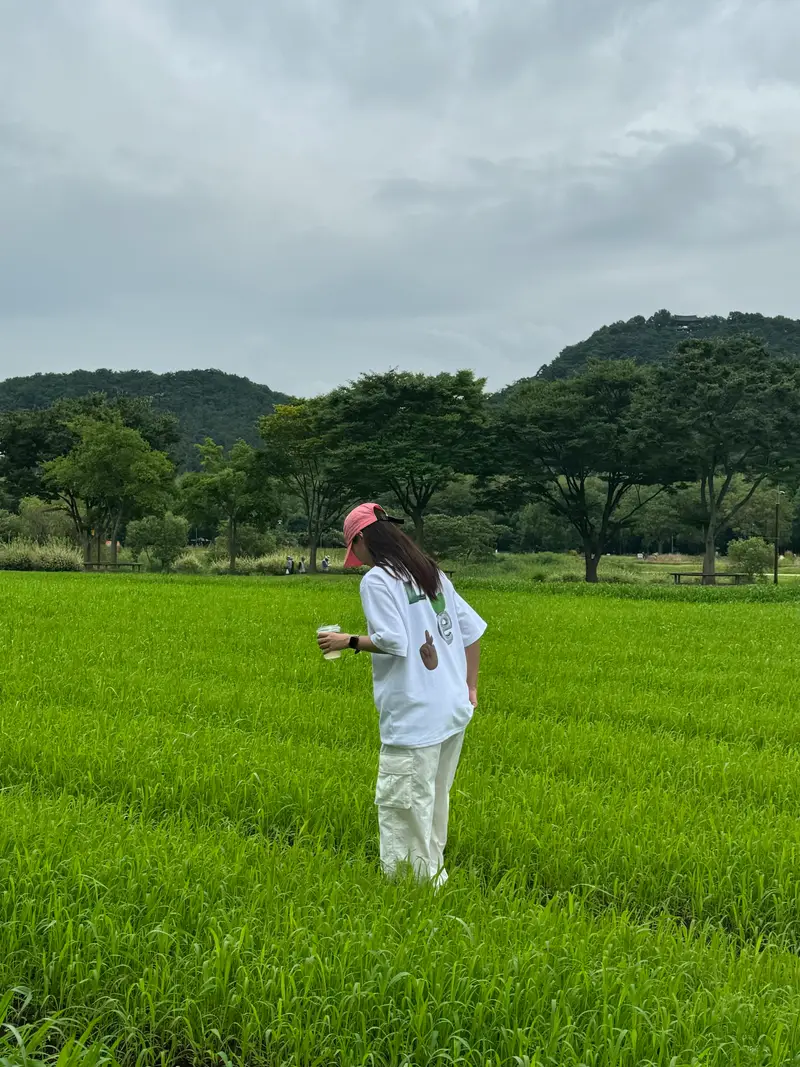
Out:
{"x": 424, "y": 639}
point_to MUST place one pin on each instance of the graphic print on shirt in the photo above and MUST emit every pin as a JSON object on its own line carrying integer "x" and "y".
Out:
{"x": 444, "y": 623}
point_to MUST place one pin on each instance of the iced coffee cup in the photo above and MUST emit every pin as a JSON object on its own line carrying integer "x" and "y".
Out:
{"x": 330, "y": 630}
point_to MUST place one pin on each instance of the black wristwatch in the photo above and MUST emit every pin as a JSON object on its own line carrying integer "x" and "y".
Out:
{"x": 354, "y": 644}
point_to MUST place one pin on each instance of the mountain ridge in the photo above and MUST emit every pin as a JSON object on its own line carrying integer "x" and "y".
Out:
{"x": 207, "y": 403}
{"x": 652, "y": 340}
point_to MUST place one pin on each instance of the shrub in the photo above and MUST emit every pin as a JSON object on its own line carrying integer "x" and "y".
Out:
{"x": 274, "y": 564}
{"x": 548, "y": 559}
{"x": 244, "y": 565}
{"x": 22, "y": 555}
{"x": 753, "y": 556}
{"x": 18, "y": 556}
{"x": 189, "y": 563}
{"x": 59, "y": 556}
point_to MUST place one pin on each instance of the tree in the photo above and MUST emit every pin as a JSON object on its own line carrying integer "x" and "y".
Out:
{"x": 302, "y": 452}
{"x": 250, "y": 541}
{"x": 753, "y": 556}
{"x": 29, "y": 439}
{"x": 9, "y": 525}
{"x": 43, "y": 520}
{"x": 229, "y": 488}
{"x": 585, "y": 447}
{"x": 730, "y": 409}
{"x": 110, "y": 475}
{"x": 410, "y": 434}
{"x": 793, "y": 529}
{"x": 756, "y": 518}
{"x": 161, "y": 537}
{"x": 458, "y": 497}
{"x": 666, "y": 519}
{"x": 462, "y": 537}
{"x": 538, "y": 529}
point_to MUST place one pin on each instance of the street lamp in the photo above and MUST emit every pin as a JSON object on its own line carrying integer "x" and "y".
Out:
{"x": 778, "y": 496}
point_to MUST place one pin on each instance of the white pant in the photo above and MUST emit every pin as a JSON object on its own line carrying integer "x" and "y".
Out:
{"x": 413, "y": 799}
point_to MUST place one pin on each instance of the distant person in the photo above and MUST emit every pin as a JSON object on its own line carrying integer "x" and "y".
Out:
{"x": 302, "y": 568}
{"x": 425, "y": 690}
{"x": 326, "y": 564}
{"x": 289, "y": 565}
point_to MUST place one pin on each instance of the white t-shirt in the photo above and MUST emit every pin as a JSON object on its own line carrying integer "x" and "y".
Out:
{"x": 418, "y": 707}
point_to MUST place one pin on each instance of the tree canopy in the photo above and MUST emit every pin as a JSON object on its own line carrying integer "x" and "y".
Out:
{"x": 728, "y": 409}
{"x": 585, "y": 447}
{"x": 30, "y": 438}
{"x": 159, "y": 537}
{"x": 229, "y": 488}
{"x": 110, "y": 475}
{"x": 409, "y": 434}
{"x": 642, "y": 452}
{"x": 302, "y": 452}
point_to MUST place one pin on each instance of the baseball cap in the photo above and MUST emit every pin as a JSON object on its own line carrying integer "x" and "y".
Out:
{"x": 358, "y": 519}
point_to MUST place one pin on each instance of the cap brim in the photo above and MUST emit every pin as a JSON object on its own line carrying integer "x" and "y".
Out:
{"x": 351, "y": 559}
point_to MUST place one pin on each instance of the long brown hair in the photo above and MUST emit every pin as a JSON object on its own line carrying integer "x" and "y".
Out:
{"x": 396, "y": 553}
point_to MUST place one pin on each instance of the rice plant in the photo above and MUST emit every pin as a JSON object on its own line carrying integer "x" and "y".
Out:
{"x": 188, "y": 867}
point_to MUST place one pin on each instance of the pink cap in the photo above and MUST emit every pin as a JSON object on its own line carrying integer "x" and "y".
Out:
{"x": 358, "y": 519}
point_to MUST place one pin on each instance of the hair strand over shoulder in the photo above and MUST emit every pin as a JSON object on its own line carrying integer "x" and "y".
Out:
{"x": 395, "y": 552}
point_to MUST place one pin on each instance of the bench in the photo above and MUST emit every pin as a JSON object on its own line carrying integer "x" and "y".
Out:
{"x": 737, "y": 579}
{"x": 112, "y": 566}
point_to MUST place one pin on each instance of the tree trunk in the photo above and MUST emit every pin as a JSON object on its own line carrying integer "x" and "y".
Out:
{"x": 313, "y": 546}
{"x": 86, "y": 540}
{"x": 419, "y": 528}
{"x": 710, "y": 557}
{"x": 114, "y": 541}
{"x": 99, "y": 542}
{"x": 232, "y": 546}
{"x": 592, "y": 559}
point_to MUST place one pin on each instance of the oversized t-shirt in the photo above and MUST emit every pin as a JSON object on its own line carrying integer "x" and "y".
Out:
{"x": 418, "y": 707}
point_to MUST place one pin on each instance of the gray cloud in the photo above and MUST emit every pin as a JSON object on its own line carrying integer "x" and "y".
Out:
{"x": 303, "y": 190}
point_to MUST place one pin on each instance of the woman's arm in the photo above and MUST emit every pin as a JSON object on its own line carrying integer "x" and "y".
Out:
{"x": 329, "y": 642}
{"x": 473, "y": 652}
{"x": 366, "y": 644}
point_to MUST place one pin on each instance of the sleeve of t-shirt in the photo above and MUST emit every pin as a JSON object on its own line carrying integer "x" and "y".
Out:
{"x": 384, "y": 622}
{"x": 470, "y": 623}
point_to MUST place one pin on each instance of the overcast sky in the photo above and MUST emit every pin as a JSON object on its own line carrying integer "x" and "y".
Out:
{"x": 302, "y": 190}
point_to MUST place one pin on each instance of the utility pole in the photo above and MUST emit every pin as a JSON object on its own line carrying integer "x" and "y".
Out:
{"x": 778, "y": 496}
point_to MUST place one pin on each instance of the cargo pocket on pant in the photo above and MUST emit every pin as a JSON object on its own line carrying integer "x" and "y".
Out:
{"x": 395, "y": 775}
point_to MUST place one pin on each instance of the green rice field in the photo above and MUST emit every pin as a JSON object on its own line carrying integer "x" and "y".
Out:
{"x": 188, "y": 845}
